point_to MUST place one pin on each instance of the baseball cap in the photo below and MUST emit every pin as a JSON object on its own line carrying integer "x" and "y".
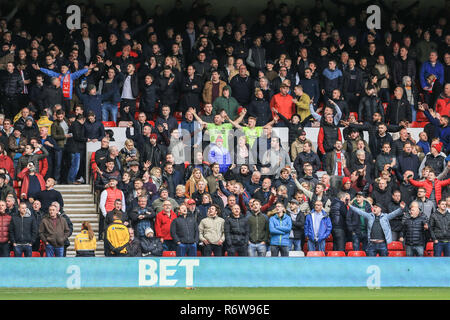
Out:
{"x": 191, "y": 201}
{"x": 293, "y": 201}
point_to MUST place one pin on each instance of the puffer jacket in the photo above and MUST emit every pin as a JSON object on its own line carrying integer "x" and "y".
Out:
{"x": 259, "y": 227}
{"x": 54, "y": 236}
{"x": 280, "y": 229}
{"x": 413, "y": 231}
{"x": 428, "y": 185}
{"x": 338, "y": 214}
{"x": 5, "y": 221}
{"x": 151, "y": 247}
{"x": 184, "y": 229}
{"x": 237, "y": 231}
{"x": 440, "y": 226}
{"x": 23, "y": 229}
{"x": 11, "y": 83}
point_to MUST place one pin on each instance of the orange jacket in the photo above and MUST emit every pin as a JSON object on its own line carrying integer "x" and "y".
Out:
{"x": 283, "y": 104}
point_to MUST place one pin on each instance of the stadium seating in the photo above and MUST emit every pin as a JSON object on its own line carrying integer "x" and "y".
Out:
{"x": 395, "y": 246}
{"x": 315, "y": 254}
{"x": 199, "y": 253}
{"x": 330, "y": 238}
{"x": 169, "y": 254}
{"x": 335, "y": 254}
{"x": 328, "y": 246}
{"x": 356, "y": 254}
{"x": 397, "y": 254}
{"x": 109, "y": 124}
{"x": 348, "y": 246}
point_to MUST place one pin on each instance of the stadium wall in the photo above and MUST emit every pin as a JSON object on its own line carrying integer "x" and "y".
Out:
{"x": 76, "y": 273}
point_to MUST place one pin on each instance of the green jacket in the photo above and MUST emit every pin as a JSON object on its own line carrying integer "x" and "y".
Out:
{"x": 58, "y": 134}
{"x": 230, "y": 105}
{"x": 259, "y": 228}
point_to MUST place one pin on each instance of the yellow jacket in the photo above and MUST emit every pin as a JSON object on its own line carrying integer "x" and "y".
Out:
{"x": 83, "y": 243}
{"x": 303, "y": 107}
{"x": 117, "y": 237}
{"x": 45, "y": 122}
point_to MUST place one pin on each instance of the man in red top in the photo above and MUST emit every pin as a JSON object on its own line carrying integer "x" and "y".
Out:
{"x": 5, "y": 220}
{"x": 443, "y": 102}
{"x": 107, "y": 200}
{"x": 162, "y": 226}
{"x": 282, "y": 102}
{"x": 432, "y": 185}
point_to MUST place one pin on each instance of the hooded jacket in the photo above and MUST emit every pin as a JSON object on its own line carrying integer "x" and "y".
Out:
{"x": 230, "y": 104}
{"x": 324, "y": 228}
{"x": 280, "y": 229}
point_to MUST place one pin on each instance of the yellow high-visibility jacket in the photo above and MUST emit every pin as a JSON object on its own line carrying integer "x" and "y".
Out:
{"x": 118, "y": 238}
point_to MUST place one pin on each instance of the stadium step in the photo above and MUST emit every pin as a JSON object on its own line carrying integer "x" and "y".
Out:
{"x": 79, "y": 205}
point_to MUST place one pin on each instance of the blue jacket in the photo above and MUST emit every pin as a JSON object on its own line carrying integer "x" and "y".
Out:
{"x": 73, "y": 76}
{"x": 93, "y": 103}
{"x": 442, "y": 133}
{"x": 324, "y": 229}
{"x": 384, "y": 221}
{"x": 427, "y": 69}
{"x": 279, "y": 230}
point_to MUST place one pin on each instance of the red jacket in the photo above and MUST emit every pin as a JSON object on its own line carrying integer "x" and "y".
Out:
{"x": 5, "y": 220}
{"x": 443, "y": 106}
{"x": 8, "y": 164}
{"x": 43, "y": 165}
{"x": 24, "y": 175}
{"x": 283, "y": 104}
{"x": 438, "y": 184}
{"x": 162, "y": 225}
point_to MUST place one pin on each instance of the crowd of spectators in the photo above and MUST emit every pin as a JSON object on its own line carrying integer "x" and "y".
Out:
{"x": 206, "y": 101}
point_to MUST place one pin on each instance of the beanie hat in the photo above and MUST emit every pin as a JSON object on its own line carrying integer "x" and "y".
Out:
{"x": 148, "y": 230}
{"x": 438, "y": 147}
{"x": 345, "y": 180}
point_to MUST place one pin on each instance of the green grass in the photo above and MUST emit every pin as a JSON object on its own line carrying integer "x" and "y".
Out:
{"x": 225, "y": 294}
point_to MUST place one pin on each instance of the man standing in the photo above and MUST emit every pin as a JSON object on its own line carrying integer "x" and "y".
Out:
{"x": 54, "y": 231}
{"x": 236, "y": 233}
{"x": 379, "y": 233}
{"x": 22, "y": 231}
{"x": 76, "y": 146}
{"x": 338, "y": 215}
{"x": 108, "y": 198}
{"x": 296, "y": 235}
{"x": 317, "y": 227}
{"x": 413, "y": 228}
{"x": 212, "y": 232}
{"x": 440, "y": 233}
{"x": 258, "y": 224}
{"x": 49, "y": 195}
{"x": 280, "y": 226}
{"x": 163, "y": 222}
{"x": 184, "y": 232}
{"x": 5, "y": 221}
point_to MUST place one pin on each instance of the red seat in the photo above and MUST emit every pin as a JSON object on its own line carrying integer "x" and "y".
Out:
{"x": 11, "y": 253}
{"x": 328, "y": 246}
{"x": 356, "y": 254}
{"x": 397, "y": 254}
{"x": 430, "y": 246}
{"x": 348, "y": 246}
{"x": 315, "y": 254}
{"x": 199, "y": 253}
{"x": 330, "y": 238}
{"x": 335, "y": 254}
{"x": 395, "y": 246}
{"x": 178, "y": 115}
{"x": 36, "y": 254}
{"x": 169, "y": 254}
{"x": 305, "y": 247}
{"x": 109, "y": 124}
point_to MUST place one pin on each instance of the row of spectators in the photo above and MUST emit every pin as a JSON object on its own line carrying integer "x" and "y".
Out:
{"x": 183, "y": 82}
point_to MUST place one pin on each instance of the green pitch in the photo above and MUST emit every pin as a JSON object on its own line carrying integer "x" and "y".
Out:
{"x": 226, "y": 294}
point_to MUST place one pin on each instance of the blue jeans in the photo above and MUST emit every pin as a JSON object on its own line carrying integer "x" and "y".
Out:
{"x": 22, "y": 248}
{"x": 54, "y": 251}
{"x": 107, "y": 109}
{"x": 257, "y": 249}
{"x": 414, "y": 251}
{"x": 357, "y": 239}
{"x": 374, "y": 248}
{"x": 74, "y": 167}
{"x": 414, "y": 113}
{"x": 57, "y": 165}
{"x": 316, "y": 245}
{"x": 275, "y": 250}
{"x": 296, "y": 243}
{"x": 187, "y": 248}
{"x": 441, "y": 247}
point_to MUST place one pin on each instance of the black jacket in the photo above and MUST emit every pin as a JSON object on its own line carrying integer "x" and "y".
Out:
{"x": 440, "y": 226}
{"x": 148, "y": 98}
{"x": 338, "y": 214}
{"x": 382, "y": 197}
{"x": 398, "y": 110}
{"x": 260, "y": 108}
{"x": 51, "y": 96}
{"x": 413, "y": 231}
{"x": 151, "y": 247}
{"x": 134, "y": 83}
{"x": 76, "y": 143}
{"x": 11, "y": 84}
{"x": 184, "y": 230}
{"x": 23, "y": 229}
{"x": 298, "y": 226}
{"x": 190, "y": 97}
{"x": 304, "y": 157}
{"x": 368, "y": 106}
{"x": 237, "y": 231}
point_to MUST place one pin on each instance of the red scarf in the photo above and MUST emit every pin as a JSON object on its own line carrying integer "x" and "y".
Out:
{"x": 339, "y": 163}
{"x": 66, "y": 85}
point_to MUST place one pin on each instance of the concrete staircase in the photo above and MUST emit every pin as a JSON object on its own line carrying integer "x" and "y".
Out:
{"x": 79, "y": 205}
